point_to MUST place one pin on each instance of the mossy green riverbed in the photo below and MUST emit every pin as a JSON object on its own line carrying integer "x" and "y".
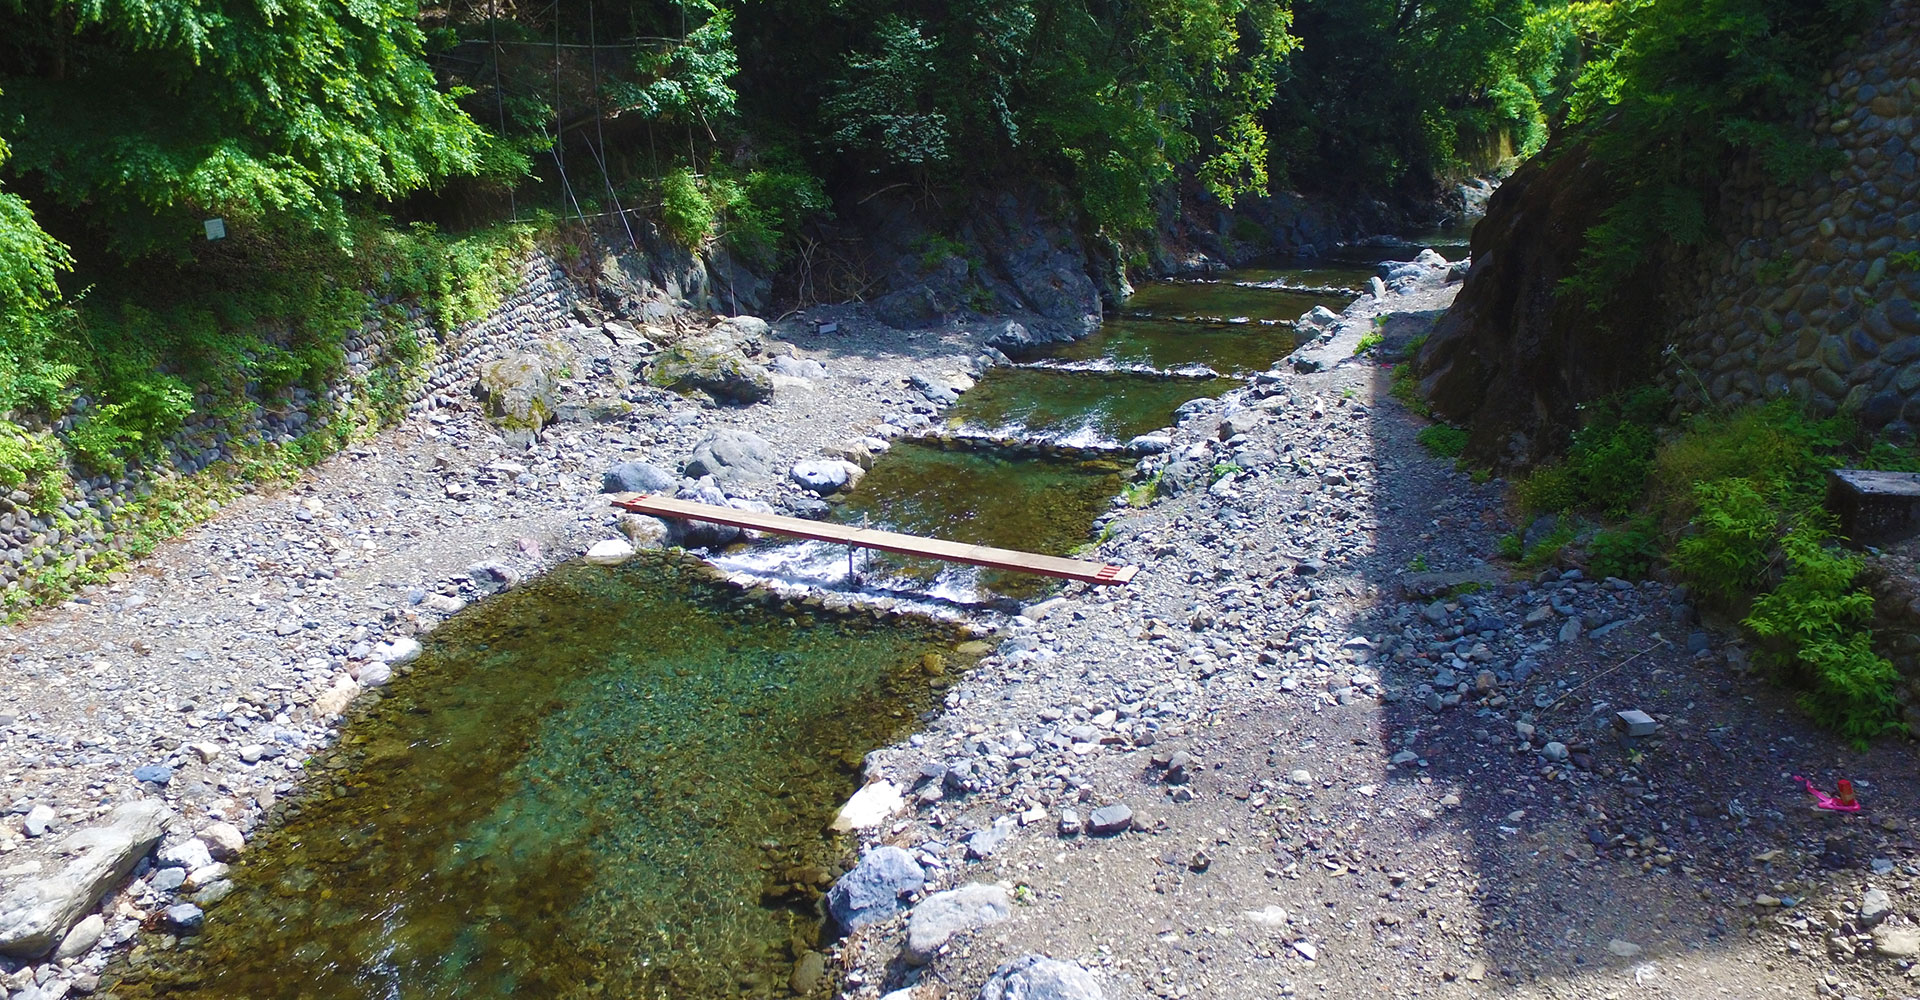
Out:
{"x": 606, "y": 783}
{"x": 1035, "y": 504}
{"x": 1084, "y": 407}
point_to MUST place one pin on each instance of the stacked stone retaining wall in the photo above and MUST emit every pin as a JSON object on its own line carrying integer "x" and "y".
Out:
{"x": 94, "y": 521}
{"x": 1812, "y": 294}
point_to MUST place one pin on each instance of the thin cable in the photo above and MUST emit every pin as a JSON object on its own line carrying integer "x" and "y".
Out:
{"x": 599, "y": 127}
{"x": 499, "y": 98}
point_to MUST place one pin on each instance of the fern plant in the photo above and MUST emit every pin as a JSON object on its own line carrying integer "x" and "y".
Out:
{"x": 1815, "y": 623}
{"x": 1727, "y": 555}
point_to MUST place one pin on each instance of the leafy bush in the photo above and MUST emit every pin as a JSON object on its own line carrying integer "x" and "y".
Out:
{"x": 1814, "y": 623}
{"x": 1548, "y": 489}
{"x": 1513, "y": 546}
{"x": 685, "y": 210}
{"x": 1369, "y": 341}
{"x": 1628, "y": 552}
{"x": 1733, "y": 535}
{"x": 1442, "y": 440}
{"x": 33, "y": 462}
{"x": 1775, "y": 448}
{"x": 772, "y": 205}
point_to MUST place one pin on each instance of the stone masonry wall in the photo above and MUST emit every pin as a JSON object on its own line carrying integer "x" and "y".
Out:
{"x": 93, "y": 522}
{"x": 1813, "y": 293}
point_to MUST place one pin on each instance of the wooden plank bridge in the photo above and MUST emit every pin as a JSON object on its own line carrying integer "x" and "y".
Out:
{"x": 1101, "y": 574}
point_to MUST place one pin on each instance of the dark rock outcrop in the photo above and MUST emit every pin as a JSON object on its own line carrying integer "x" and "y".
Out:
{"x": 1514, "y": 358}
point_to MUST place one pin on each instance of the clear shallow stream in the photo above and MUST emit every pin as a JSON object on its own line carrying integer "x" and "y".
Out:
{"x": 605, "y": 783}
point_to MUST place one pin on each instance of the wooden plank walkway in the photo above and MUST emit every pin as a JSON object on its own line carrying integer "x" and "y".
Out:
{"x": 886, "y": 541}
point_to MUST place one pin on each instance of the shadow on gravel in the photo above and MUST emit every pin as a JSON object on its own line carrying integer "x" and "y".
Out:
{"x": 1587, "y": 854}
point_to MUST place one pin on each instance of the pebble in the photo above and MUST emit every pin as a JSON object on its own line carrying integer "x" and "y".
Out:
{"x": 39, "y": 820}
{"x": 1875, "y": 905}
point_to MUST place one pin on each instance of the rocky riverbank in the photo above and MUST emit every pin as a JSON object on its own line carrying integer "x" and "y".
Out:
{"x": 1326, "y": 745}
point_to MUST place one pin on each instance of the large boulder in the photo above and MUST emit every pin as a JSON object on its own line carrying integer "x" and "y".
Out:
{"x": 715, "y": 364}
{"x": 1037, "y": 977}
{"x": 38, "y": 913}
{"x": 956, "y": 911}
{"x": 638, "y": 477}
{"x": 732, "y": 456}
{"x": 749, "y": 333}
{"x": 871, "y": 891}
{"x": 826, "y": 476}
{"x": 518, "y": 393}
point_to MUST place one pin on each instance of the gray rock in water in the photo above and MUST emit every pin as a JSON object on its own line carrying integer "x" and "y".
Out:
{"x": 1150, "y": 444}
{"x": 826, "y": 476}
{"x": 1037, "y": 977}
{"x": 1109, "y": 819}
{"x": 492, "y": 576}
{"x": 38, "y": 913}
{"x": 1010, "y": 336}
{"x": 184, "y": 918}
{"x": 942, "y": 915}
{"x": 638, "y": 477}
{"x": 871, "y": 891}
{"x": 807, "y": 972}
{"x": 713, "y": 364}
{"x": 732, "y": 456}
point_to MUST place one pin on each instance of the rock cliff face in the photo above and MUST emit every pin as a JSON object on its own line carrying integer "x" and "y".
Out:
{"x": 1016, "y": 251}
{"x": 1512, "y": 359}
{"x": 1808, "y": 293}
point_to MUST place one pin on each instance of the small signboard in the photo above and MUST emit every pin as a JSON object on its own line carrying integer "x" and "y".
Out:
{"x": 216, "y": 229}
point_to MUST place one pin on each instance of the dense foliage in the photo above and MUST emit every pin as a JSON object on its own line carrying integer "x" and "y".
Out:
{"x": 1671, "y": 90}
{"x": 152, "y": 113}
{"x": 1732, "y": 502}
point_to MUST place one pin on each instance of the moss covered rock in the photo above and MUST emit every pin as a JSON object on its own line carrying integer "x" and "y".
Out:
{"x": 715, "y": 365}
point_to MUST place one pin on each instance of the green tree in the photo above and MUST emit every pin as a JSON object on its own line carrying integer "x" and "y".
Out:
{"x": 1386, "y": 90}
{"x": 1676, "y": 89}
{"x": 142, "y": 114}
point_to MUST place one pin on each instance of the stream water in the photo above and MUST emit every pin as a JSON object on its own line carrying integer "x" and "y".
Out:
{"x": 615, "y": 782}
